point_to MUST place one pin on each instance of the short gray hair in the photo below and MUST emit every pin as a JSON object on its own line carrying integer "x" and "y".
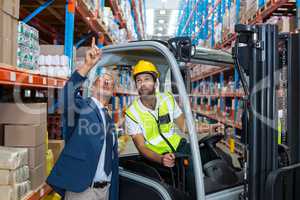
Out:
{"x": 96, "y": 73}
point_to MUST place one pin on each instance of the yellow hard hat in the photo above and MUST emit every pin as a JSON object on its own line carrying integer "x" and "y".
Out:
{"x": 144, "y": 66}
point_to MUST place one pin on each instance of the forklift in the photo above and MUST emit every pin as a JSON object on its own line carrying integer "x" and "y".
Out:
{"x": 269, "y": 170}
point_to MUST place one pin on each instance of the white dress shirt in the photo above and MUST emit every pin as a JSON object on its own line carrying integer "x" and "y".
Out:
{"x": 100, "y": 175}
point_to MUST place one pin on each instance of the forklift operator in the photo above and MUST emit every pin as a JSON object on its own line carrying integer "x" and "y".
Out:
{"x": 151, "y": 119}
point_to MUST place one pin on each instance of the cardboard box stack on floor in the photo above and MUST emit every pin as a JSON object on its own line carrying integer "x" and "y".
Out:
{"x": 9, "y": 15}
{"x": 14, "y": 173}
{"x": 25, "y": 126}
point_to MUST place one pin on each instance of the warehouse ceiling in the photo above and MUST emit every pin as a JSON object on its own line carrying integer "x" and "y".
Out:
{"x": 161, "y": 18}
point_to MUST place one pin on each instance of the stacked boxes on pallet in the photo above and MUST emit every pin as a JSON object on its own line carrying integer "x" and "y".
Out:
{"x": 14, "y": 173}
{"x": 25, "y": 126}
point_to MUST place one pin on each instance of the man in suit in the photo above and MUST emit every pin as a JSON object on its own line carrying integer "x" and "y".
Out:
{"x": 87, "y": 168}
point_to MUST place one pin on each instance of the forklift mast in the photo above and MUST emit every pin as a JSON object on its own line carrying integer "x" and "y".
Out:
{"x": 257, "y": 50}
{"x": 257, "y": 57}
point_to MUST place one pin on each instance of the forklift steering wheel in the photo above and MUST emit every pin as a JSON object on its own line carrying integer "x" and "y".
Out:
{"x": 211, "y": 140}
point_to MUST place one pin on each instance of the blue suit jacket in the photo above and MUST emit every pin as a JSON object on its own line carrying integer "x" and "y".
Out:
{"x": 83, "y": 133}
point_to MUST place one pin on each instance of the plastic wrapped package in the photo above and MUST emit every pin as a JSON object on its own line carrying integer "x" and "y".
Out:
{"x": 13, "y": 158}
{"x": 11, "y": 177}
{"x": 15, "y": 192}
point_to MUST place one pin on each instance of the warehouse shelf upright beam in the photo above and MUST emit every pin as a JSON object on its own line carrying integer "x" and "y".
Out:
{"x": 205, "y": 30}
{"x": 120, "y": 17}
{"x": 117, "y": 13}
{"x": 187, "y": 32}
{"x": 237, "y": 14}
{"x": 212, "y": 44}
{"x": 182, "y": 7}
{"x": 37, "y": 11}
{"x": 298, "y": 13}
{"x": 69, "y": 30}
{"x": 142, "y": 18}
{"x": 222, "y": 107}
{"x": 205, "y": 22}
{"x": 191, "y": 15}
{"x": 134, "y": 15}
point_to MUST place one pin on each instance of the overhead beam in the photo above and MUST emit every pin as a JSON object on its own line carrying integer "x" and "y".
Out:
{"x": 53, "y": 12}
{"x": 52, "y": 6}
{"x": 37, "y": 11}
{"x": 39, "y": 24}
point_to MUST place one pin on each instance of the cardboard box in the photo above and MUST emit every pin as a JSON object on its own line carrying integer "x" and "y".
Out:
{"x": 19, "y": 113}
{"x": 14, "y": 192}
{"x": 25, "y": 135}
{"x": 11, "y": 7}
{"x": 37, "y": 176}
{"x": 8, "y": 39}
{"x": 11, "y": 177}
{"x": 56, "y": 146}
{"x": 13, "y": 158}
{"x": 54, "y": 50}
{"x": 36, "y": 156}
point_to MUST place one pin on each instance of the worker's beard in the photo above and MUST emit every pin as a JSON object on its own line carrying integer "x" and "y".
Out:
{"x": 147, "y": 93}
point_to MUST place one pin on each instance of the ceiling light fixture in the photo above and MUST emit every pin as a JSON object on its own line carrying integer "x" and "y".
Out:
{"x": 150, "y": 21}
{"x": 173, "y": 22}
{"x": 161, "y": 21}
{"x": 162, "y": 12}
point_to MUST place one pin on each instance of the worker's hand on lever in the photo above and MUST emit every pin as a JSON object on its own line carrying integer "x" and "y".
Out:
{"x": 168, "y": 160}
{"x": 92, "y": 56}
{"x": 216, "y": 128}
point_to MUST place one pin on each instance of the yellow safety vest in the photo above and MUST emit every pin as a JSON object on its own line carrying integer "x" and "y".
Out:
{"x": 150, "y": 124}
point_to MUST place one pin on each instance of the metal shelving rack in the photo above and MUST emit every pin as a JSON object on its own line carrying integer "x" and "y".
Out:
{"x": 10, "y": 75}
{"x": 136, "y": 8}
{"x": 208, "y": 17}
{"x": 27, "y": 78}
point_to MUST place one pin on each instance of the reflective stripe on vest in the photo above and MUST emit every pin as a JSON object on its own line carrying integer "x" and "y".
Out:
{"x": 149, "y": 125}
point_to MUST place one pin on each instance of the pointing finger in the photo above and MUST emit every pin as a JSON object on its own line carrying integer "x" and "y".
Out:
{"x": 93, "y": 42}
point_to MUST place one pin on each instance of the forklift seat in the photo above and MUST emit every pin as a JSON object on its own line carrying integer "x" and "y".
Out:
{"x": 143, "y": 169}
{"x": 219, "y": 171}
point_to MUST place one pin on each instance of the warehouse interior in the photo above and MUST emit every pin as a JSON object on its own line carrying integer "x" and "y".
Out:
{"x": 231, "y": 66}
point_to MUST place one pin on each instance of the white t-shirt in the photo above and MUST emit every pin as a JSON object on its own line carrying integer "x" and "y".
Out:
{"x": 133, "y": 128}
